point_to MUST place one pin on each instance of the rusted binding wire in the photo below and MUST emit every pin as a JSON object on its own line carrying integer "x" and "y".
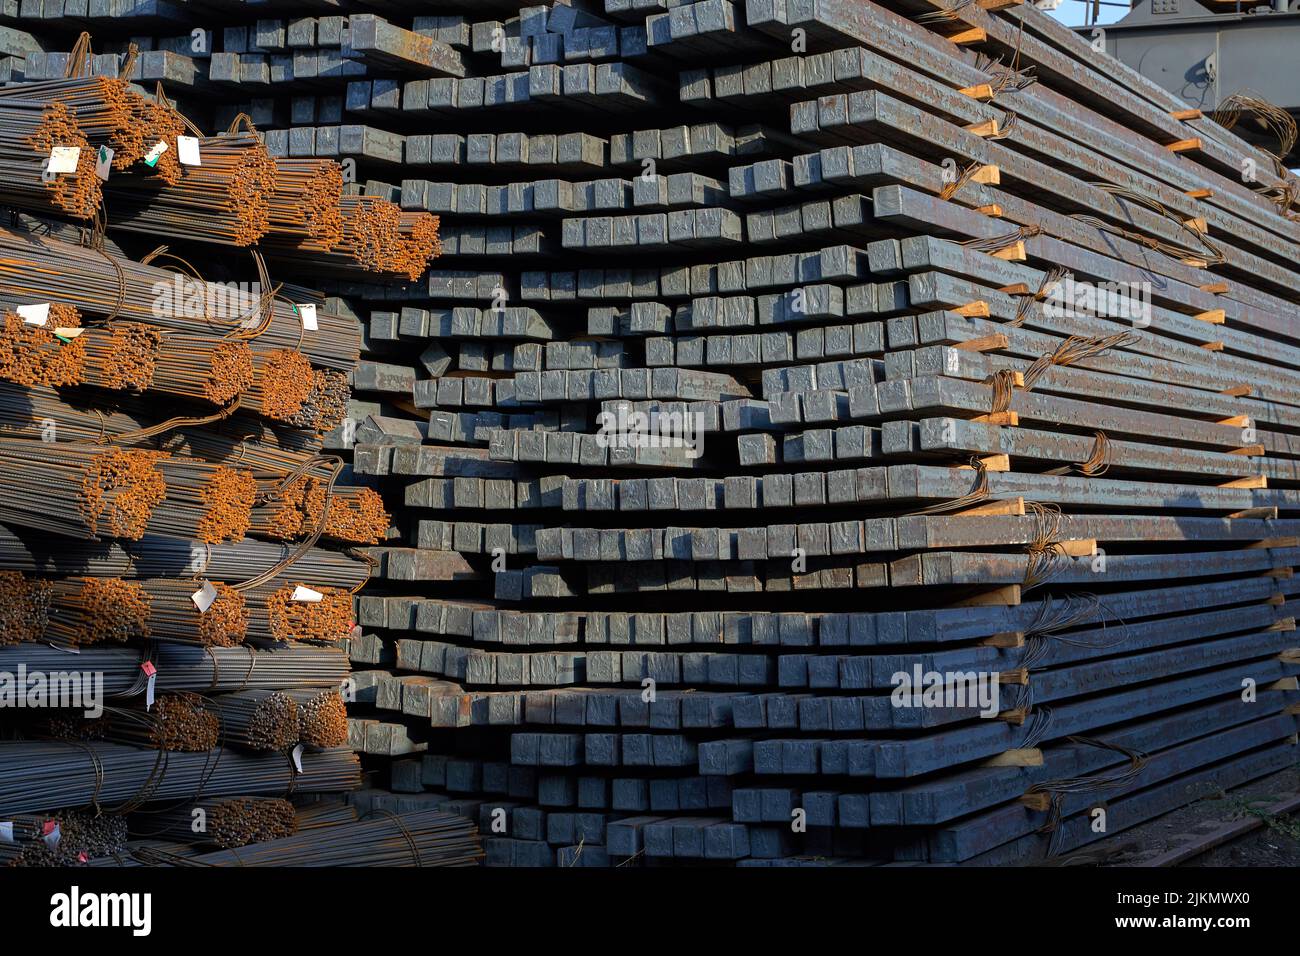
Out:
{"x": 143, "y": 434}
{"x": 1207, "y": 250}
{"x": 1025, "y": 300}
{"x": 289, "y": 560}
{"x": 410, "y": 839}
{"x": 979, "y": 492}
{"x": 1075, "y": 349}
{"x": 1004, "y": 78}
{"x": 1003, "y": 382}
{"x": 95, "y": 762}
{"x": 372, "y": 564}
{"x": 950, "y": 190}
{"x": 944, "y": 14}
{"x": 1046, "y": 557}
{"x": 160, "y": 97}
{"x": 79, "y": 59}
{"x": 95, "y": 238}
{"x": 265, "y": 310}
{"x": 1095, "y": 465}
{"x": 1277, "y": 120}
{"x": 992, "y": 244}
{"x": 1058, "y": 789}
{"x": 128, "y": 62}
{"x": 1009, "y": 121}
{"x": 245, "y": 120}
{"x": 235, "y": 329}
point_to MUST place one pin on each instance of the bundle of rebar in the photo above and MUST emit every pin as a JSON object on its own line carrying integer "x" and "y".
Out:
{"x": 44, "y": 353}
{"x": 136, "y": 357}
{"x": 377, "y": 237}
{"x": 46, "y": 164}
{"x": 38, "y": 774}
{"x": 257, "y": 719}
{"x": 322, "y": 716}
{"x": 355, "y": 515}
{"x": 298, "y": 612}
{"x": 423, "y": 839}
{"x": 177, "y": 722}
{"x": 221, "y": 822}
{"x": 39, "y": 268}
{"x": 67, "y": 838}
{"x": 305, "y": 213}
{"x": 225, "y": 199}
{"x": 91, "y": 610}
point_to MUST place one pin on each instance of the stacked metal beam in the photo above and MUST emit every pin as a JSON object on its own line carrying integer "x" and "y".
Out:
{"x": 977, "y": 359}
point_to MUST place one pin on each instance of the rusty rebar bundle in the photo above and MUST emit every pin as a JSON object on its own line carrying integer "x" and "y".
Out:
{"x": 257, "y": 719}
{"x": 356, "y": 515}
{"x": 30, "y": 177}
{"x": 305, "y": 211}
{"x": 220, "y": 822}
{"x": 225, "y": 200}
{"x": 322, "y": 717}
{"x": 67, "y": 838}
{"x": 179, "y": 722}
{"x": 378, "y": 236}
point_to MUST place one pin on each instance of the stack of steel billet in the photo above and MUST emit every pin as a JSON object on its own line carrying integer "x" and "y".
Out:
{"x": 943, "y": 368}
{"x": 177, "y": 573}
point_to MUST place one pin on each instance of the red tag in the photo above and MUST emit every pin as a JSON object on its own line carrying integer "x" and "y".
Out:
{"x": 81, "y": 857}
{"x": 148, "y": 668}
{"x": 48, "y": 828}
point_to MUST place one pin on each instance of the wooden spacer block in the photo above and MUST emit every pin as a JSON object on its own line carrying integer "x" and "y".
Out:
{"x": 1291, "y": 655}
{"x": 1286, "y": 624}
{"x": 1018, "y": 676}
{"x": 999, "y": 4}
{"x": 1006, "y": 596}
{"x": 1012, "y": 253}
{"x": 985, "y": 129}
{"x": 1012, "y": 506}
{"x": 1237, "y": 391}
{"x": 1291, "y": 709}
{"x": 1250, "y": 451}
{"x": 967, "y": 37}
{"x": 1286, "y": 683}
{"x": 1018, "y": 289}
{"x": 1039, "y": 802}
{"x": 1282, "y": 574}
{"x": 1021, "y": 757}
{"x": 998, "y": 418}
{"x": 1277, "y": 600}
{"x": 1252, "y": 481}
{"x": 1213, "y": 316}
{"x": 987, "y": 175}
{"x": 1240, "y": 421}
{"x": 1270, "y": 543}
{"x": 1196, "y": 263}
{"x": 1199, "y": 193}
{"x": 993, "y": 209}
{"x": 1079, "y": 548}
{"x": 981, "y": 91}
{"x": 1267, "y": 512}
{"x": 1185, "y": 115}
{"x": 1212, "y": 346}
{"x": 1016, "y": 716}
{"x": 991, "y": 463}
{"x": 1185, "y": 145}
{"x": 986, "y": 343}
{"x": 1005, "y": 639}
{"x": 979, "y": 309}
{"x": 1197, "y": 224}
{"x": 1217, "y": 288}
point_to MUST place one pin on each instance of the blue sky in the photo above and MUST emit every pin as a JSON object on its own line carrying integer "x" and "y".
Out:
{"x": 1072, "y": 13}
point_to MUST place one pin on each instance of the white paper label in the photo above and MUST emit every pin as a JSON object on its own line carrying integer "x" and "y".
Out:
{"x": 63, "y": 159}
{"x": 187, "y": 150}
{"x": 148, "y": 692}
{"x": 104, "y": 162}
{"x": 297, "y": 758}
{"x": 301, "y": 593}
{"x": 6, "y": 831}
{"x": 308, "y": 313}
{"x": 151, "y": 158}
{"x": 204, "y": 597}
{"x": 65, "y": 333}
{"x": 35, "y": 314}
